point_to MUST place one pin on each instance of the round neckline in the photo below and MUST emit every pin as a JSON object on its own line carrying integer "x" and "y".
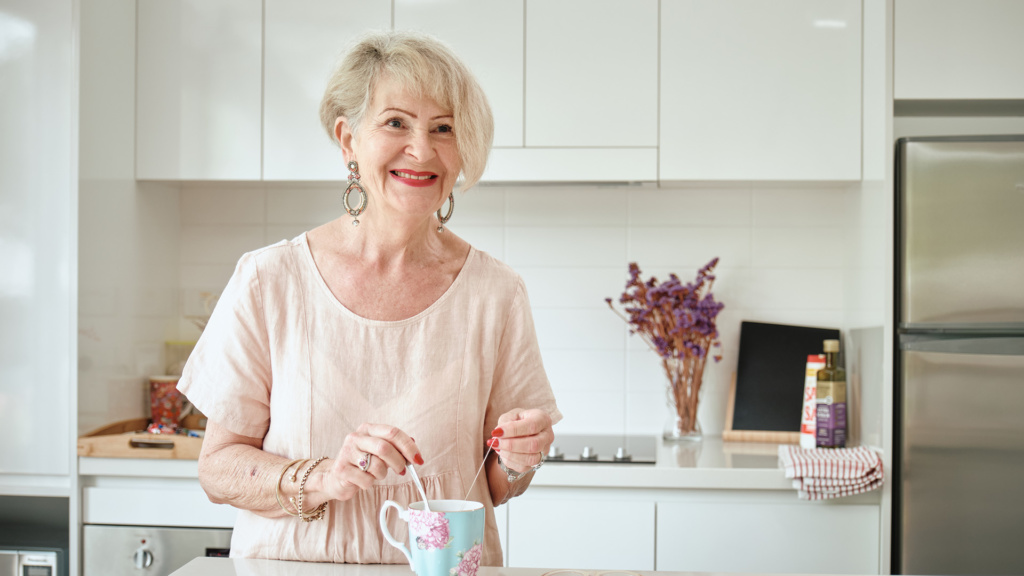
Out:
{"x": 414, "y": 318}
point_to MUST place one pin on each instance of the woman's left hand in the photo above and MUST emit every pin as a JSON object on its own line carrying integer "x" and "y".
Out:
{"x": 522, "y": 438}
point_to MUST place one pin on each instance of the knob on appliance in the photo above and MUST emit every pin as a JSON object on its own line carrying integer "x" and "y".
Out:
{"x": 143, "y": 558}
{"x": 588, "y": 454}
{"x": 621, "y": 455}
{"x": 554, "y": 453}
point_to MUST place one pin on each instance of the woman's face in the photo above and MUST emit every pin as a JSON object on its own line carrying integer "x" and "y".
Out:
{"x": 406, "y": 151}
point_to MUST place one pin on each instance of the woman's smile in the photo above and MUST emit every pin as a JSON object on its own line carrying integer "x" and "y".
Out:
{"x": 414, "y": 178}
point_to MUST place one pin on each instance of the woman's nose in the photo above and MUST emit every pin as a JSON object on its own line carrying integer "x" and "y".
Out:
{"x": 420, "y": 146}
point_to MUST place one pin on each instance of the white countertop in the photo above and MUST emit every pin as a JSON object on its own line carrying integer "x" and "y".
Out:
{"x": 708, "y": 464}
{"x": 250, "y": 567}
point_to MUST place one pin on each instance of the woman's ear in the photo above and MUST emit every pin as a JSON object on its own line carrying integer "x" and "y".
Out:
{"x": 343, "y": 134}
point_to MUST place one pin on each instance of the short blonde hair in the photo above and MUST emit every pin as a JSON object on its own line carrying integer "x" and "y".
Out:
{"x": 424, "y": 65}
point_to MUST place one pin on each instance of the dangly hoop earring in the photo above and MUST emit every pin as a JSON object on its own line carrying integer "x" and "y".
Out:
{"x": 355, "y": 184}
{"x": 444, "y": 219}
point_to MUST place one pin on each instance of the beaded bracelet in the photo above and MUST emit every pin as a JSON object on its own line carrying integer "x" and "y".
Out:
{"x": 318, "y": 512}
{"x": 280, "y": 479}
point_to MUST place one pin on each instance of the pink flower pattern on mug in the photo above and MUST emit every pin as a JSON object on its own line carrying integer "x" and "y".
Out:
{"x": 469, "y": 563}
{"x": 430, "y": 529}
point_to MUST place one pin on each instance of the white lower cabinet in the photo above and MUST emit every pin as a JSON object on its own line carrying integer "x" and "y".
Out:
{"x": 595, "y": 530}
{"x": 767, "y": 536}
{"x": 765, "y": 531}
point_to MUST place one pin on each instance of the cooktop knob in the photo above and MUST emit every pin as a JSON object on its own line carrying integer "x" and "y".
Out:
{"x": 621, "y": 455}
{"x": 554, "y": 453}
{"x": 588, "y": 454}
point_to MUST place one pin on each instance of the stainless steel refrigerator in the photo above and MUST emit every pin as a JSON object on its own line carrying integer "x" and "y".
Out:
{"x": 959, "y": 421}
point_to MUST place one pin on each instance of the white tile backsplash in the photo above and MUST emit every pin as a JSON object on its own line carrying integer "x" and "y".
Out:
{"x": 794, "y": 247}
{"x": 209, "y": 244}
{"x": 565, "y": 247}
{"x": 564, "y": 207}
{"x": 223, "y": 205}
{"x": 573, "y": 287}
{"x": 780, "y": 263}
{"x": 689, "y": 246}
{"x": 702, "y": 208}
{"x": 306, "y": 205}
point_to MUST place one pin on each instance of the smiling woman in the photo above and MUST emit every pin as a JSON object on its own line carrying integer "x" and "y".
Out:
{"x": 334, "y": 360}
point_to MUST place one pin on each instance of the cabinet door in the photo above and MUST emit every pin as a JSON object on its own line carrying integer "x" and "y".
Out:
{"x": 970, "y": 49}
{"x": 754, "y": 90}
{"x": 198, "y": 90}
{"x": 591, "y": 73}
{"x": 802, "y": 537}
{"x": 557, "y": 530}
{"x": 304, "y": 40}
{"x": 38, "y": 236}
{"x": 494, "y": 51}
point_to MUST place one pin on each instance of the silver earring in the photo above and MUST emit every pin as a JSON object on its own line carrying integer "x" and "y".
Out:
{"x": 355, "y": 184}
{"x": 444, "y": 219}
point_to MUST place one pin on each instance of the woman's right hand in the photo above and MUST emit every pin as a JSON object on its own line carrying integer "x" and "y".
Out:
{"x": 387, "y": 448}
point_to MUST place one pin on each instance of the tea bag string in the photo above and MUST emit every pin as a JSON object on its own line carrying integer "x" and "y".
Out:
{"x": 478, "y": 471}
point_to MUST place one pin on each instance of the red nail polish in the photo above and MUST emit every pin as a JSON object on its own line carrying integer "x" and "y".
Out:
{"x": 488, "y": 442}
{"x": 498, "y": 432}
{"x": 494, "y": 443}
{"x": 402, "y": 472}
{"x": 418, "y": 459}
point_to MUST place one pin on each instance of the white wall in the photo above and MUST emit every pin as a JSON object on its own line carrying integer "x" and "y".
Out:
{"x": 783, "y": 251}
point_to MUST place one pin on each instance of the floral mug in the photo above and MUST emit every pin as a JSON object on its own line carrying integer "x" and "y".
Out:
{"x": 446, "y": 541}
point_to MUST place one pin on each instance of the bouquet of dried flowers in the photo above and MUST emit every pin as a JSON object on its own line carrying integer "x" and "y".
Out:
{"x": 678, "y": 322}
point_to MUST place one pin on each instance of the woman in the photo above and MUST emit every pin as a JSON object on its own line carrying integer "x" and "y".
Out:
{"x": 379, "y": 339}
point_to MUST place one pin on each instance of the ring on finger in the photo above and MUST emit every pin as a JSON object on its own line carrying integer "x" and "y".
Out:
{"x": 364, "y": 464}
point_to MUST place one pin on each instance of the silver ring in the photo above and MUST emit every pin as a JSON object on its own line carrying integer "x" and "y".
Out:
{"x": 364, "y": 464}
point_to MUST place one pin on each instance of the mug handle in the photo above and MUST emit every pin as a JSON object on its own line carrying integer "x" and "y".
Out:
{"x": 387, "y": 535}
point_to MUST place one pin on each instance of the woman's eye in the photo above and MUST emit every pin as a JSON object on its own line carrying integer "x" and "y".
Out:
{"x": 394, "y": 123}
{"x": 445, "y": 129}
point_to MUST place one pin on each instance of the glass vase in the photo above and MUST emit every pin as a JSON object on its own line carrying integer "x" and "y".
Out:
{"x": 683, "y": 399}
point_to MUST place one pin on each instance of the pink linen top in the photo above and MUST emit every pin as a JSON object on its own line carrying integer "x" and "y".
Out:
{"x": 282, "y": 359}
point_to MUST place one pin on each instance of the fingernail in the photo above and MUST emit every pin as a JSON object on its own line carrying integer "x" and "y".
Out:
{"x": 489, "y": 441}
{"x": 494, "y": 443}
{"x": 498, "y": 432}
{"x": 418, "y": 459}
{"x": 402, "y": 472}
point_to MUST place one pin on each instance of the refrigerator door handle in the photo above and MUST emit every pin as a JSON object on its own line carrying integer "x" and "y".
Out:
{"x": 959, "y": 344}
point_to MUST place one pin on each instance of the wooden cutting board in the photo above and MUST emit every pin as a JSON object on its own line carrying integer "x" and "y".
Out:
{"x": 129, "y": 439}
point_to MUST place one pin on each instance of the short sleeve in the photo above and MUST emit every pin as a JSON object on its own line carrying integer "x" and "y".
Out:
{"x": 519, "y": 377}
{"x": 228, "y": 376}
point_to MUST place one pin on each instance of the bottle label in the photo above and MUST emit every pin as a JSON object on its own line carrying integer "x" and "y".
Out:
{"x": 831, "y": 414}
{"x": 808, "y": 417}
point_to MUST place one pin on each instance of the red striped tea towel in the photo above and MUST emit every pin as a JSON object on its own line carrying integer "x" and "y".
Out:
{"x": 831, "y": 473}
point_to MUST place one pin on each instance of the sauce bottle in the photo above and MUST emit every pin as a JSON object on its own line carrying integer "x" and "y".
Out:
{"x": 831, "y": 400}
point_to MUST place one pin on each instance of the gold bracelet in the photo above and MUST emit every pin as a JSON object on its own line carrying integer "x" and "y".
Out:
{"x": 280, "y": 479}
{"x": 318, "y": 512}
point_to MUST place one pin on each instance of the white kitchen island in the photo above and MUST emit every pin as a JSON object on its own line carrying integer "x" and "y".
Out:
{"x": 251, "y": 567}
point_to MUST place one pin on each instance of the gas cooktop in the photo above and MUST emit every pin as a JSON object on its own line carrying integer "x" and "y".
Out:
{"x": 603, "y": 449}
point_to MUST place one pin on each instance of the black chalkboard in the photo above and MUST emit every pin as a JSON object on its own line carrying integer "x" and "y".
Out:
{"x": 770, "y": 374}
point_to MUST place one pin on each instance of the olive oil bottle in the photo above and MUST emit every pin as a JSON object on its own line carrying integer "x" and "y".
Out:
{"x": 831, "y": 400}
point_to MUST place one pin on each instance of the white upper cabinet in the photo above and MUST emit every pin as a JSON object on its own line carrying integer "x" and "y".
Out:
{"x": 591, "y": 73}
{"x": 198, "y": 90}
{"x": 958, "y": 49}
{"x": 754, "y": 90}
{"x": 304, "y": 40}
{"x": 488, "y": 36}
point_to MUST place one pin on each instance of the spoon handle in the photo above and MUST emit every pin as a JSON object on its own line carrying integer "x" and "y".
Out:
{"x": 419, "y": 486}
